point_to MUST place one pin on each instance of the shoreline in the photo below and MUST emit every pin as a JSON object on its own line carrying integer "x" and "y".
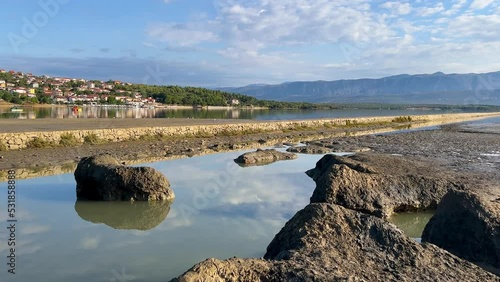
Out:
{"x": 35, "y": 162}
{"x": 170, "y": 107}
{"x": 59, "y": 125}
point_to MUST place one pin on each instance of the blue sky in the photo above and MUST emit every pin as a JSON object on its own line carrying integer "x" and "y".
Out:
{"x": 236, "y": 42}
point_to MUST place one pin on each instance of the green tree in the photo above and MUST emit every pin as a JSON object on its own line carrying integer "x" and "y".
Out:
{"x": 112, "y": 100}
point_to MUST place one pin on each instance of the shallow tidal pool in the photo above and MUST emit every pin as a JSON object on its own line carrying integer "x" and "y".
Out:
{"x": 221, "y": 210}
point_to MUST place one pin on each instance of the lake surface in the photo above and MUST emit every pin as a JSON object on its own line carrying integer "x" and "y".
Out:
{"x": 221, "y": 210}
{"x": 103, "y": 112}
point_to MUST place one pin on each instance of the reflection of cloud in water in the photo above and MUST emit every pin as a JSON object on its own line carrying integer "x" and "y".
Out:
{"x": 33, "y": 229}
{"x": 261, "y": 196}
{"x": 195, "y": 173}
{"x": 215, "y": 186}
{"x": 177, "y": 219}
{"x": 124, "y": 244}
{"x": 26, "y": 247}
{"x": 124, "y": 215}
{"x": 90, "y": 243}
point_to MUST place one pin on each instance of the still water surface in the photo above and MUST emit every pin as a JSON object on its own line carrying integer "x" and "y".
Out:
{"x": 221, "y": 210}
{"x": 102, "y": 112}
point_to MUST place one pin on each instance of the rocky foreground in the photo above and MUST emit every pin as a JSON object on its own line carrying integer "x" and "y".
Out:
{"x": 467, "y": 224}
{"x": 380, "y": 184}
{"x": 343, "y": 235}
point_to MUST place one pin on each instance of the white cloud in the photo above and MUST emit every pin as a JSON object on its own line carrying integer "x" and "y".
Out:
{"x": 262, "y": 41}
{"x": 397, "y": 7}
{"x": 480, "y": 4}
{"x": 455, "y": 8}
{"x": 265, "y": 23}
{"x": 181, "y": 34}
{"x": 479, "y": 27}
{"x": 429, "y": 11}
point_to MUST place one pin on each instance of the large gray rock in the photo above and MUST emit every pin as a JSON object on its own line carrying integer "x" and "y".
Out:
{"x": 467, "y": 224}
{"x": 326, "y": 242}
{"x": 378, "y": 184}
{"x": 124, "y": 215}
{"x": 262, "y": 157}
{"x": 103, "y": 178}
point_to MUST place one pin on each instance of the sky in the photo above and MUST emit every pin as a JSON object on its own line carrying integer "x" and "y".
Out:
{"x": 235, "y": 42}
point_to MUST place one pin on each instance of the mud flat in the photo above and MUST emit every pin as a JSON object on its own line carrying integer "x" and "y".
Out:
{"x": 150, "y": 144}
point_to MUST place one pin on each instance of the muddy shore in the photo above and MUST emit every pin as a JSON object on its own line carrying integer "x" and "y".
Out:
{"x": 455, "y": 147}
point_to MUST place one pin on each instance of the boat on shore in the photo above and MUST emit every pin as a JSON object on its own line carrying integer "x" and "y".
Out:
{"x": 16, "y": 110}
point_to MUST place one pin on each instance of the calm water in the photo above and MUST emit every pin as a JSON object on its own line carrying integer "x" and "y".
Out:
{"x": 102, "y": 112}
{"x": 412, "y": 224}
{"x": 221, "y": 210}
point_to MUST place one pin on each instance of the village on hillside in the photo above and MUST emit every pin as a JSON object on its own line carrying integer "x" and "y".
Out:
{"x": 60, "y": 90}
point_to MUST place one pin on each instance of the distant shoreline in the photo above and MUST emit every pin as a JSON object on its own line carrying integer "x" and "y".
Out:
{"x": 170, "y": 107}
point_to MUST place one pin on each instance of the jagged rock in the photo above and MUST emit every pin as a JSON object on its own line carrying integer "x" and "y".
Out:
{"x": 309, "y": 149}
{"x": 235, "y": 269}
{"x": 326, "y": 242}
{"x": 395, "y": 185}
{"x": 103, "y": 178}
{"x": 261, "y": 157}
{"x": 124, "y": 215}
{"x": 467, "y": 224}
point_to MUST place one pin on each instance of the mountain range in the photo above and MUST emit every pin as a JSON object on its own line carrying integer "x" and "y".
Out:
{"x": 436, "y": 88}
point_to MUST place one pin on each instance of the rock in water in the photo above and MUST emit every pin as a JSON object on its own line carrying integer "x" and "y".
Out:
{"x": 326, "y": 242}
{"x": 467, "y": 224}
{"x": 103, "y": 178}
{"x": 377, "y": 184}
{"x": 261, "y": 157}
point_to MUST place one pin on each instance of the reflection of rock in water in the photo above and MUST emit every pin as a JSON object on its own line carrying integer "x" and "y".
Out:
{"x": 124, "y": 215}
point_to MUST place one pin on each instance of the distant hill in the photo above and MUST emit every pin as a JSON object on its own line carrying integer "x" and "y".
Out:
{"x": 437, "y": 88}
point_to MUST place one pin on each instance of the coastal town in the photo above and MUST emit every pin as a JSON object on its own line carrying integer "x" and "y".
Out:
{"x": 26, "y": 87}
{"x": 21, "y": 88}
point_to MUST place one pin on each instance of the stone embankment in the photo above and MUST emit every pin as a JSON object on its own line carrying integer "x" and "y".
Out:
{"x": 13, "y": 140}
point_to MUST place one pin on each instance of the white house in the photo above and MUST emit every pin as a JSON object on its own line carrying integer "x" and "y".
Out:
{"x": 20, "y": 90}
{"x": 234, "y": 102}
